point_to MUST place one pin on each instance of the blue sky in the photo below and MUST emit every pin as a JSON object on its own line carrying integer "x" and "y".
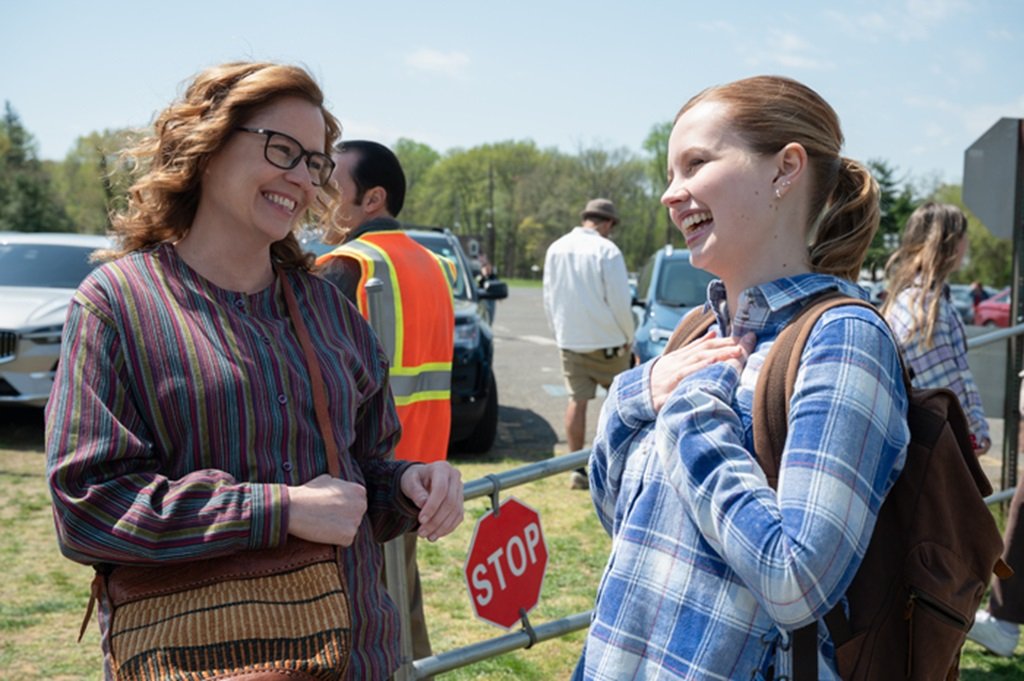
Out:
{"x": 915, "y": 82}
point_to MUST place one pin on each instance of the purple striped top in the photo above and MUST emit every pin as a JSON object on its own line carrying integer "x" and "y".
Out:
{"x": 181, "y": 411}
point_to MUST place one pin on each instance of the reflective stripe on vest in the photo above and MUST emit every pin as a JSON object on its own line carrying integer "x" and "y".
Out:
{"x": 410, "y": 306}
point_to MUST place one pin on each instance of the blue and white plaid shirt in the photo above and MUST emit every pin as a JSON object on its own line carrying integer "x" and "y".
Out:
{"x": 944, "y": 364}
{"x": 710, "y": 568}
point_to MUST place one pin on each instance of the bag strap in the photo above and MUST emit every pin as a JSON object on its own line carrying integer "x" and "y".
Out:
{"x": 771, "y": 416}
{"x": 692, "y": 326}
{"x": 771, "y": 420}
{"x": 778, "y": 378}
{"x": 317, "y": 379}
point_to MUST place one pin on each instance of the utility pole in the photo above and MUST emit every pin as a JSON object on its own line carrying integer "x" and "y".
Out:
{"x": 490, "y": 215}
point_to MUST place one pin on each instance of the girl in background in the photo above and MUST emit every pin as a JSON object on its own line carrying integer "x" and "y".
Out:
{"x": 921, "y": 313}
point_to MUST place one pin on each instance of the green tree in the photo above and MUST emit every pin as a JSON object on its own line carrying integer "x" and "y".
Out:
{"x": 28, "y": 202}
{"x": 989, "y": 258}
{"x": 656, "y": 146}
{"x": 92, "y": 182}
{"x": 896, "y": 205}
{"x": 417, "y": 159}
{"x": 481, "y": 192}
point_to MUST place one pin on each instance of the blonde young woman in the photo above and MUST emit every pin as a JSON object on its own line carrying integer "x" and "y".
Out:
{"x": 922, "y": 315}
{"x": 181, "y": 424}
{"x": 710, "y": 568}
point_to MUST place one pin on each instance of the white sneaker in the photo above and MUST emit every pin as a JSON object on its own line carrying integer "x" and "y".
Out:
{"x": 999, "y": 636}
{"x": 579, "y": 481}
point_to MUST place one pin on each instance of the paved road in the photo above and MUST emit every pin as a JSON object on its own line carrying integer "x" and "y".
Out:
{"x": 532, "y": 397}
{"x": 988, "y": 364}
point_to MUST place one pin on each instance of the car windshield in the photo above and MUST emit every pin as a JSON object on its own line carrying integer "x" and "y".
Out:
{"x": 681, "y": 284}
{"x": 442, "y": 245}
{"x": 44, "y": 265}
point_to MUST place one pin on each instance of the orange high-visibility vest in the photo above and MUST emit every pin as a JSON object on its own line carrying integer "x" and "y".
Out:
{"x": 416, "y": 328}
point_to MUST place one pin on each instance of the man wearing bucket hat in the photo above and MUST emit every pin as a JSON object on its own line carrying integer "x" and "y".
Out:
{"x": 587, "y": 301}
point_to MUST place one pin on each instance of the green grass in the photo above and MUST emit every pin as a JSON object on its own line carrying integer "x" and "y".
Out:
{"x": 43, "y": 595}
{"x": 524, "y": 283}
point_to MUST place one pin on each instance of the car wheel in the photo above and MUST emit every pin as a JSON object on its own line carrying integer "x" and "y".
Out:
{"x": 482, "y": 437}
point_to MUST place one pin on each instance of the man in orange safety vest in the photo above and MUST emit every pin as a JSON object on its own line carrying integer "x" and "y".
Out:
{"x": 416, "y": 317}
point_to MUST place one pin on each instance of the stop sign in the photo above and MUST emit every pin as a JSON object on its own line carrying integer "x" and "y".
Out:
{"x": 506, "y": 563}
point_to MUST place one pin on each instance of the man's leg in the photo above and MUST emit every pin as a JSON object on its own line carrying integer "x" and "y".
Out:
{"x": 575, "y": 431}
{"x": 576, "y": 424}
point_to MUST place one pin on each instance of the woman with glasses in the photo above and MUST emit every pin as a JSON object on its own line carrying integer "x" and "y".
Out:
{"x": 182, "y": 424}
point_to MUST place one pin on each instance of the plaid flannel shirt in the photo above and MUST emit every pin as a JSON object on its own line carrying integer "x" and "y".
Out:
{"x": 710, "y": 569}
{"x": 944, "y": 364}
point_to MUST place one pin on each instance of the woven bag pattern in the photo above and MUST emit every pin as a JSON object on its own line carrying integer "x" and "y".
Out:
{"x": 297, "y": 621}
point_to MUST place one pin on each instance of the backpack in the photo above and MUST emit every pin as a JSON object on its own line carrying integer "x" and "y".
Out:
{"x": 935, "y": 544}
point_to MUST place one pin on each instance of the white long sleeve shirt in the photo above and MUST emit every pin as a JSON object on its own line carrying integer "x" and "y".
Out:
{"x": 586, "y": 292}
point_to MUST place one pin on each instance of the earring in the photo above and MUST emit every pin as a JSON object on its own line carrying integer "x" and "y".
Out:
{"x": 779, "y": 189}
{"x": 778, "y": 193}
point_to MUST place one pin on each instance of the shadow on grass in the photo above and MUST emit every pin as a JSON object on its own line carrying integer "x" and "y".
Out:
{"x": 993, "y": 669}
{"x": 523, "y": 435}
{"x": 21, "y": 428}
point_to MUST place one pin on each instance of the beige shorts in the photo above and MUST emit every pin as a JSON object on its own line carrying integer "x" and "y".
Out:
{"x": 584, "y": 371}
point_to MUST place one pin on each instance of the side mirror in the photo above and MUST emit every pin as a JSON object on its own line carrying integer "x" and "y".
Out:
{"x": 493, "y": 289}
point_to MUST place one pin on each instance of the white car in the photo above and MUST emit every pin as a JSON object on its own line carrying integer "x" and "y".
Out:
{"x": 39, "y": 273}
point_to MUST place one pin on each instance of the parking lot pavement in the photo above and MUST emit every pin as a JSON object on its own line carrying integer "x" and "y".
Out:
{"x": 992, "y": 462}
{"x": 531, "y": 394}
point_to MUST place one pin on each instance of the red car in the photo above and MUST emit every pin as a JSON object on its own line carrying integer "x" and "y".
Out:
{"x": 994, "y": 311}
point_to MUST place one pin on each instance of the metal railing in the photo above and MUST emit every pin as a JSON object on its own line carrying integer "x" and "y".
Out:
{"x": 994, "y": 336}
{"x": 1012, "y": 387}
{"x": 491, "y": 486}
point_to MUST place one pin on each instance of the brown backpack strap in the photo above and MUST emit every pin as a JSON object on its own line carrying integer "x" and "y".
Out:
{"x": 778, "y": 378}
{"x": 771, "y": 421}
{"x": 691, "y": 327}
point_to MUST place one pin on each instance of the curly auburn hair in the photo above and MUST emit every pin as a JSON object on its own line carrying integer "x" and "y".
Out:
{"x": 163, "y": 201}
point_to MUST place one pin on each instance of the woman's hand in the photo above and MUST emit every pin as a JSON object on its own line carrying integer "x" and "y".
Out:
{"x": 671, "y": 368}
{"x": 326, "y": 510}
{"x": 437, "y": 489}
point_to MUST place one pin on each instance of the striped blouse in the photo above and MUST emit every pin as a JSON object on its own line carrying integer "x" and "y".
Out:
{"x": 181, "y": 411}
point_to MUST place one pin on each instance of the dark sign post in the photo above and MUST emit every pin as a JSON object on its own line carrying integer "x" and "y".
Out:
{"x": 994, "y": 191}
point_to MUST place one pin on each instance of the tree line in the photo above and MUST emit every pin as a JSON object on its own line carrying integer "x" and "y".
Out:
{"x": 513, "y": 196}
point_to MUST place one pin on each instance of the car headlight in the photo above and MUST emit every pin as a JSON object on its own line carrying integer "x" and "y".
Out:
{"x": 467, "y": 335}
{"x": 46, "y": 335}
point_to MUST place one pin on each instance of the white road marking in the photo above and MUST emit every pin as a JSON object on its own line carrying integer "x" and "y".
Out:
{"x": 539, "y": 340}
{"x": 560, "y": 390}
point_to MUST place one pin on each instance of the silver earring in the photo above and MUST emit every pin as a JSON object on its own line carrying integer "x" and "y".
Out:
{"x": 778, "y": 192}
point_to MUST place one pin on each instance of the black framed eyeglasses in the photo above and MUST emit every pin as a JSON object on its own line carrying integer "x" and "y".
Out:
{"x": 285, "y": 152}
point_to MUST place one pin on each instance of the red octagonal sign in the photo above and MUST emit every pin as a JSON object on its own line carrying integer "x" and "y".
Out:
{"x": 506, "y": 563}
